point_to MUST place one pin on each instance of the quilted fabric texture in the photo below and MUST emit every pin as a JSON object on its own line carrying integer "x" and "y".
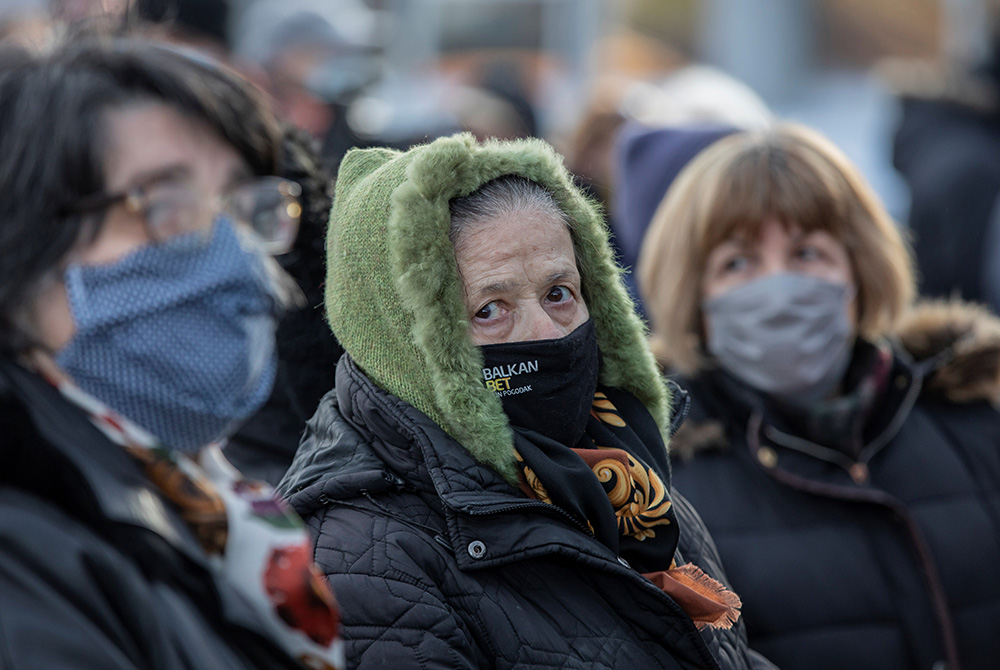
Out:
{"x": 438, "y": 563}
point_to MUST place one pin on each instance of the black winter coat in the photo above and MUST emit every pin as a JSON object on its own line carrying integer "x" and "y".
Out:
{"x": 96, "y": 569}
{"x": 437, "y": 562}
{"x": 887, "y": 559}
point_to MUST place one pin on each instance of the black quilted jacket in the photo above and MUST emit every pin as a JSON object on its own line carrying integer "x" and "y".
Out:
{"x": 447, "y": 566}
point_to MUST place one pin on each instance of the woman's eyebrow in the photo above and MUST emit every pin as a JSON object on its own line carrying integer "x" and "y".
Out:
{"x": 817, "y": 232}
{"x": 502, "y": 286}
{"x": 505, "y": 285}
{"x": 739, "y": 242}
{"x": 162, "y": 173}
{"x": 562, "y": 275}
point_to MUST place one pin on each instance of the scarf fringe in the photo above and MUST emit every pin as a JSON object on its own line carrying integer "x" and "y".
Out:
{"x": 694, "y": 578}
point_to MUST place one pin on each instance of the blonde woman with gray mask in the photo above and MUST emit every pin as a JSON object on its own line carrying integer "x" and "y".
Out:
{"x": 843, "y": 445}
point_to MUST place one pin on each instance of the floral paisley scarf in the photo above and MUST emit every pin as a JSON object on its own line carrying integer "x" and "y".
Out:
{"x": 609, "y": 481}
{"x": 252, "y": 540}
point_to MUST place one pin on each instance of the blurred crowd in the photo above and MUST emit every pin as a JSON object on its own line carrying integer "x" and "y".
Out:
{"x": 273, "y": 270}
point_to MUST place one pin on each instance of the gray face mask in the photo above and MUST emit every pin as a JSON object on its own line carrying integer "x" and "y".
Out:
{"x": 786, "y": 335}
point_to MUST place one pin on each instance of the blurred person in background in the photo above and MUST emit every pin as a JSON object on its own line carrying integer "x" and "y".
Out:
{"x": 616, "y": 150}
{"x": 310, "y": 64}
{"x": 947, "y": 149}
{"x": 488, "y": 481}
{"x": 198, "y": 24}
{"x": 84, "y": 11}
{"x": 138, "y": 306}
{"x": 843, "y": 446}
{"x": 24, "y": 21}
{"x": 647, "y": 160}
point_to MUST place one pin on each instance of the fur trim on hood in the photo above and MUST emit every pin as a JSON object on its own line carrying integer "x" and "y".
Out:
{"x": 394, "y": 297}
{"x": 960, "y": 344}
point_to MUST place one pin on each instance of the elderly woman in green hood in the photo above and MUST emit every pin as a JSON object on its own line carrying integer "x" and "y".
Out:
{"x": 489, "y": 482}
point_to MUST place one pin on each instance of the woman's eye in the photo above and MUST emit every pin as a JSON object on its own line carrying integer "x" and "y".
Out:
{"x": 735, "y": 264}
{"x": 808, "y": 253}
{"x": 165, "y": 217}
{"x": 558, "y": 294}
{"x": 172, "y": 210}
{"x": 487, "y": 311}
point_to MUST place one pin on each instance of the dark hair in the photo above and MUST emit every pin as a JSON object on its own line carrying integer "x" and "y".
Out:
{"x": 307, "y": 349}
{"x": 53, "y": 139}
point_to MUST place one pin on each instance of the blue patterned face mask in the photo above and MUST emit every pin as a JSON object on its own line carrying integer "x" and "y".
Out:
{"x": 178, "y": 337}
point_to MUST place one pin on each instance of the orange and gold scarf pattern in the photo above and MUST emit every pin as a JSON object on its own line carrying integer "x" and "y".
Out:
{"x": 638, "y": 498}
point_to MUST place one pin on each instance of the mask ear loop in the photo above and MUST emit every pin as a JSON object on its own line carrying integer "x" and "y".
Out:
{"x": 287, "y": 293}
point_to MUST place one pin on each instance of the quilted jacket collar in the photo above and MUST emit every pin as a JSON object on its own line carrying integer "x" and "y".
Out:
{"x": 723, "y": 407}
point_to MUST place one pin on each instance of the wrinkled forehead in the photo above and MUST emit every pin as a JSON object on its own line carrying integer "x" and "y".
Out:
{"x": 527, "y": 234}
{"x": 508, "y": 197}
{"x": 552, "y": 221}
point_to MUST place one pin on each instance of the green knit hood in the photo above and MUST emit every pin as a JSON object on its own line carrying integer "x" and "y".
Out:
{"x": 394, "y": 298}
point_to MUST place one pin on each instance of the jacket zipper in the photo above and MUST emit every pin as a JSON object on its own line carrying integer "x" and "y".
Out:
{"x": 810, "y": 448}
{"x": 531, "y": 504}
{"x": 932, "y": 579}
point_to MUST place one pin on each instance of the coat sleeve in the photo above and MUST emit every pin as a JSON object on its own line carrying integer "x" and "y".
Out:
{"x": 54, "y": 610}
{"x": 394, "y": 610}
{"x": 71, "y": 598}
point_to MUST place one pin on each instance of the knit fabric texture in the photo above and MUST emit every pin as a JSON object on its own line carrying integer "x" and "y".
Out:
{"x": 394, "y": 297}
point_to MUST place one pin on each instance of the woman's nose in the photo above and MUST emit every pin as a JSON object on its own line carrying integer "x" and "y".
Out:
{"x": 539, "y": 325}
{"x": 774, "y": 264}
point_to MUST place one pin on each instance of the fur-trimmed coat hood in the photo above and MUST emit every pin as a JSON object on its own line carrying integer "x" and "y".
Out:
{"x": 394, "y": 297}
{"x": 959, "y": 345}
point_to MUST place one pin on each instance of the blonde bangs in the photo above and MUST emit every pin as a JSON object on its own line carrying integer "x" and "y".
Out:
{"x": 766, "y": 181}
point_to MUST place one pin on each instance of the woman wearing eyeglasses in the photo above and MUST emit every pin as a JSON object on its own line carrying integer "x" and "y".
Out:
{"x": 137, "y": 317}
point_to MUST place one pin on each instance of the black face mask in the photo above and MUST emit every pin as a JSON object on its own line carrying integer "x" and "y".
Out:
{"x": 546, "y": 385}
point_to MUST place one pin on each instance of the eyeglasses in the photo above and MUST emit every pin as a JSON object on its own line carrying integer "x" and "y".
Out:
{"x": 268, "y": 206}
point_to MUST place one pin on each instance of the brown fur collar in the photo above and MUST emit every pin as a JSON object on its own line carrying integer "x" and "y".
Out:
{"x": 961, "y": 343}
{"x": 958, "y": 341}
